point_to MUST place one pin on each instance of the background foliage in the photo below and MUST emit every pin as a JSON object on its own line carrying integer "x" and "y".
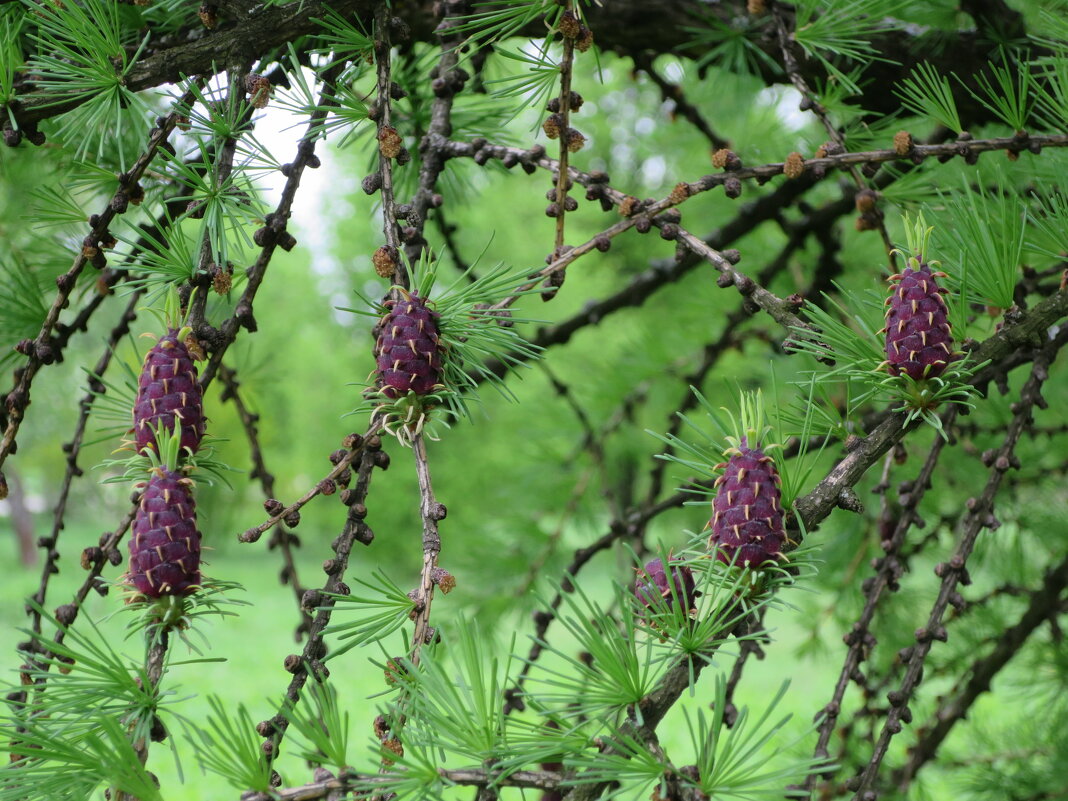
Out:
{"x": 564, "y": 476}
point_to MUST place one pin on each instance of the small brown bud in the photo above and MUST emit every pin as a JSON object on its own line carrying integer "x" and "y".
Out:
{"x": 756, "y": 7}
{"x": 552, "y": 125}
{"x": 575, "y": 141}
{"x": 602, "y": 243}
{"x": 311, "y": 600}
{"x": 679, "y": 193}
{"x": 829, "y": 149}
{"x": 865, "y": 200}
{"x": 794, "y": 165}
{"x": 258, "y": 89}
{"x": 222, "y": 280}
{"x": 292, "y": 663}
{"x": 372, "y": 183}
{"x": 90, "y": 555}
{"x": 628, "y": 206}
{"x": 732, "y": 188}
{"x": 66, "y": 613}
{"x": 584, "y": 41}
{"x": 903, "y": 143}
{"x": 390, "y": 143}
{"x": 569, "y": 25}
{"x": 381, "y": 727}
{"x": 725, "y": 159}
{"x": 866, "y": 222}
{"x": 208, "y": 15}
{"x": 384, "y": 262}
{"x": 394, "y": 671}
{"x": 444, "y": 579}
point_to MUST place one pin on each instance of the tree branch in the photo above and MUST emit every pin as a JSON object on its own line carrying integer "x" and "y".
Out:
{"x": 1043, "y": 601}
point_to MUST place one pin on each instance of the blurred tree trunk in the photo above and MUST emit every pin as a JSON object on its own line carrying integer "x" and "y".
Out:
{"x": 21, "y": 519}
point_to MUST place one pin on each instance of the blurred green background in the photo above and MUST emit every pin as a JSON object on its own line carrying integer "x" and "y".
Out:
{"x": 521, "y": 492}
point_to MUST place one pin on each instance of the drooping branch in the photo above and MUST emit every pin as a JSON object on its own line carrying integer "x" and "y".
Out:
{"x": 155, "y": 664}
{"x": 859, "y": 638}
{"x": 1044, "y": 601}
{"x": 954, "y": 571}
{"x": 73, "y": 450}
{"x": 788, "y": 48}
{"x": 682, "y": 107}
{"x": 366, "y": 453}
{"x": 561, "y": 126}
{"x": 282, "y": 538}
{"x": 272, "y": 236}
{"x": 279, "y": 513}
{"x": 390, "y": 148}
{"x": 624, "y": 26}
{"x": 41, "y": 351}
{"x": 431, "y": 511}
{"x": 448, "y": 80}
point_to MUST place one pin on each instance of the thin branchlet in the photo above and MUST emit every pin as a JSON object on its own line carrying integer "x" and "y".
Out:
{"x": 66, "y": 282}
{"x": 282, "y": 539}
{"x": 954, "y": 570}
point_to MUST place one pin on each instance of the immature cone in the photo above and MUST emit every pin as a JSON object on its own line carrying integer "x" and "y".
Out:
{"x": 408, "y": 350}
{"x": 165, "y": 547}
{"x": 652, "y": 583}
{"x": 747, "y": 510}
{"x": 168, "y": 393}
{"x": 919, "y": 342}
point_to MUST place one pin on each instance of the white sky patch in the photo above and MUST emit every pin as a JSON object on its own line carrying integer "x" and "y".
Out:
{"x": 312, "y": 212}
{"x": 653, "y": 170}
{"x": 645, "y": 126}
{"x": 786, "y": 101}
